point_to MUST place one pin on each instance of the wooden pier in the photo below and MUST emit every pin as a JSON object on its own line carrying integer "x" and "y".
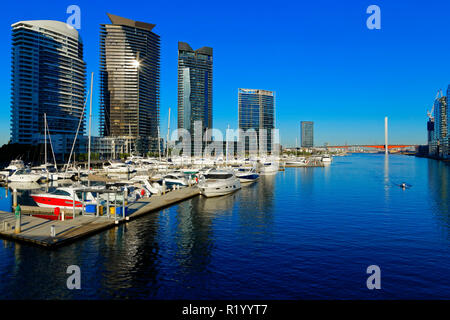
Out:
{"x": 38, "y": 231}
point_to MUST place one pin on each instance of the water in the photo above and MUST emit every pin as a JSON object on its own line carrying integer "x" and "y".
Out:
{"x": 306, "y": 233}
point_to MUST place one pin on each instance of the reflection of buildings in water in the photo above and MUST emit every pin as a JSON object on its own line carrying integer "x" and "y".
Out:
{"x": 386, "y": 177}
{"x": 194, "y": 236}
{"x": 216, "y": 205}
{"x": 438, "y": 181}
{"x": 255, "y": 207}
{"x": 131, "y": 256}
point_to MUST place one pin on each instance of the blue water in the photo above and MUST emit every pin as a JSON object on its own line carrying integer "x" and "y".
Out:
{"x": 306, "y": 233}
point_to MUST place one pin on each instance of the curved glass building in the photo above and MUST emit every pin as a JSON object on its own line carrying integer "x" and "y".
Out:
{"x": 48, "y": 76}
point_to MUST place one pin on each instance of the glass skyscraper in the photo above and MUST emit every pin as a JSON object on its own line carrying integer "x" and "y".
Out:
{"x": 307, "y": 134}
{"x": 130, "y": 80}
{"x": 48, "y": 76}
{"x": 257, "y": 111}
{"x": 195, "y": 76}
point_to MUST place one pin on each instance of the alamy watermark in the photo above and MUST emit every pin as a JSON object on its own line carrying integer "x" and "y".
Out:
{"x": 374, "y": 20}
{"x": 374, "y": 281}
{"x": 74, "y": 280}
{"x": 74, "y": 20}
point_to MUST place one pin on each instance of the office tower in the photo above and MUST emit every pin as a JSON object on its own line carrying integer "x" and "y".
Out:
{"x": 195, "y": 75}
{"x": 439, "y": 146}
{"x": 447, "y": 141}
{"x": 257, "y": 111}
{"x": 48, "y": 76}
{"x": 129, "y": 81}
{"x": 307, "y": 134}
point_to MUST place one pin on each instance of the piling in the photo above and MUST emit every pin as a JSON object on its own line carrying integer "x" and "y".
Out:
{"x": 18, "y": 215}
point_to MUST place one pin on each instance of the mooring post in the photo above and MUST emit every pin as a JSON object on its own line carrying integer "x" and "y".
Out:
{"x": 52, "y": 231}
{"x": 73, "y": 206}
{"x": 14, "y": 198}
{"x": 18, "y": 214}
{"x": 107, "y": 206}
{"x": 124, "y": 205}
{"x": 115, "y": 208}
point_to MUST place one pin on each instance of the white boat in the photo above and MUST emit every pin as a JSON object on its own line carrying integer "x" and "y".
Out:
{"x": 218, "y": 183}
{"x": 246, "y": 175}
{"x": 269, "y": 167}
{"x": 117, "y": 167}
{"x": 296, "y": 162}
{"x": 175, "y": 179}
{"x": 326, "y": 158}
{"x": 13, "y": 166}
{"x": 25, "y": 175}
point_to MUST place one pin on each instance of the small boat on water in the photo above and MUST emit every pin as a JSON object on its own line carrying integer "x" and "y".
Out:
{"x": 247, "y": 175}
{"x": 218, "y": 183}
{"x": 326, "y": 159}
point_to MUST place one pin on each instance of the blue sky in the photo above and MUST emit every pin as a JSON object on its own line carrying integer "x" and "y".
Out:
{"x": 323, "y": 62}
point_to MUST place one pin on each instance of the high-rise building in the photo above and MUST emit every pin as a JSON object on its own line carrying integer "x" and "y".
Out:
{"x": 195, "y": 76}
{"x": 439, "y": 140}
{"x": 48, "y": 77}
{"x": 257, "y": 111}
{"x": 307, "y": 134}
{"x": 129, "y": 81}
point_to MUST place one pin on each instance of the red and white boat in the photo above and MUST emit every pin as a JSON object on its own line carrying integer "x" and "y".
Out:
{"x": 63, "y": 198}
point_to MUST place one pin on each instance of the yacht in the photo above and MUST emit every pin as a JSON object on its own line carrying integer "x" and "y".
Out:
{"x": 14, "y": 165}
{"x": 269, "y": 167}
{"x": 176, "y": 179}
{"x": 326, "y": 159}
{"x": 218, "y": 183}
{"x": 63, "y": 198}
{"x": 296, "y": 162}
{"x": 246, "y": 175}
{"x": 117, "y": 167}
{"x": 25, "y": 175}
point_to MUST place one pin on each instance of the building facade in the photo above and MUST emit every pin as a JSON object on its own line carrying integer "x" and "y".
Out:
{"x": 195, "y": 90}
{"x": 48, "y": 77}
{"x": 257, "y": 112}
{"x": 129, "y": 81}
{"x": 438, "y": 129}
{"x": 307, "y": 134}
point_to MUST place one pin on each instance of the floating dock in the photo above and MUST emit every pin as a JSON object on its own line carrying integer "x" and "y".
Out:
{"x": 55, "y": 233}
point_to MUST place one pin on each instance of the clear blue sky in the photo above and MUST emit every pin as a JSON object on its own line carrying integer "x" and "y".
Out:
{"x": 319, "y": 57}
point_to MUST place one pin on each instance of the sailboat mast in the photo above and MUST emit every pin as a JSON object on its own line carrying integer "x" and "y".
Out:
{"x": 45, "y": 138}
{"x": 167, "y": 141}
{"x": 90, "y": 121}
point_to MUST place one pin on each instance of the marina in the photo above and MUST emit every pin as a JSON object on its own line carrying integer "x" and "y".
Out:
{"x": 230, "y": 246}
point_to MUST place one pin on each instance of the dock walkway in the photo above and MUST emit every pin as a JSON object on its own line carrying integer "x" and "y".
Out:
{"x": 38, "y": 231}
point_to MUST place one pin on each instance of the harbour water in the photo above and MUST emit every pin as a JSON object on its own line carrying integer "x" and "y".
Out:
{"x": 305, "y": 233}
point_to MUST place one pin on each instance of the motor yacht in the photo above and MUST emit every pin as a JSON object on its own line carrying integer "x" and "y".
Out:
{"x": 218, "y": 183}
{"x": 246, "y": 175}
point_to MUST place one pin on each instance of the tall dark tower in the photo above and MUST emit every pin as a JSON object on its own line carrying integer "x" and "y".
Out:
{"x": 130, "y": 79}
{"x": 195, "y": 76}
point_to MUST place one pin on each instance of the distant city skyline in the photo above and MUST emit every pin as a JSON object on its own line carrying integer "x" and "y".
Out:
{"x": 320, "y": 58}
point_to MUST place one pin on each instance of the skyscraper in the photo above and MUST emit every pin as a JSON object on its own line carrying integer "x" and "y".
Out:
{"x": 48, "y": 76}
{"x": 307, "y": 134}
{"x": 195, "y": 75}
{"x": 129, "y": 80}
{"x": 257, "y": 111}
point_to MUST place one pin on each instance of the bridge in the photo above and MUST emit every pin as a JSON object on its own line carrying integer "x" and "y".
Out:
{"x": 379, "y": 146}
